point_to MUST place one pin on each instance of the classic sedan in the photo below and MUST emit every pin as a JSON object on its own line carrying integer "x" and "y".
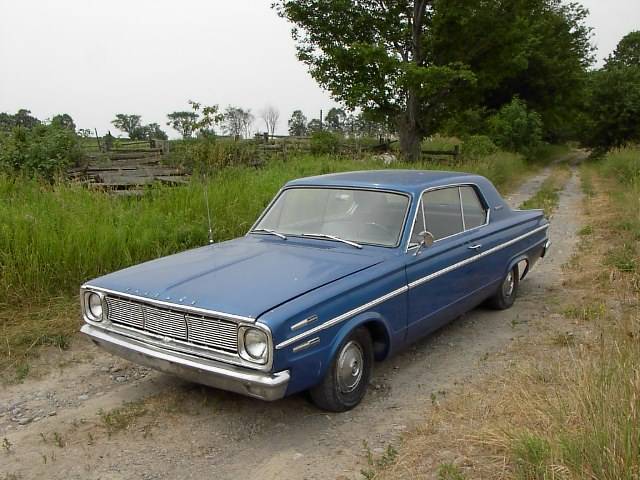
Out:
{"x": 339, "y": 271}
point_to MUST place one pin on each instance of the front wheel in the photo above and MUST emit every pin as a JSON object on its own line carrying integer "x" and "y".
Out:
{"x": 506, "y": 294}
{"x": 346, "y": 380}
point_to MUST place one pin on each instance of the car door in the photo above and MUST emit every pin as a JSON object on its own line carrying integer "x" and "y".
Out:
{"x": 434, "y": 287}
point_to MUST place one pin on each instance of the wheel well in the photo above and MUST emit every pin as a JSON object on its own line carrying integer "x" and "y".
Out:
{"x": 380, "y": 339}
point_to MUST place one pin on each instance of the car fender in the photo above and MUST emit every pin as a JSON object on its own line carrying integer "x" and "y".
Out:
{"x": 350, "y": 326}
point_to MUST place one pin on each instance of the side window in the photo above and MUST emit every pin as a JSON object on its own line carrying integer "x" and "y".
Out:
{"x": 474, "y": 212}
{"x": 442, "y": 213}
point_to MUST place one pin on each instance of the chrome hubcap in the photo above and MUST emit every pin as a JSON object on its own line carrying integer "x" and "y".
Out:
{"x": 350, "y": 365}
{"x": 508, "y": 285}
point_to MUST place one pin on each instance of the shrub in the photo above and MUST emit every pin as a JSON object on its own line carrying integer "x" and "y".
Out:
{"x": 43, "y": 150}
{"x": 478, "y": 146}
{"x": 516, "y": 128}
{"x": 325, "y": 142}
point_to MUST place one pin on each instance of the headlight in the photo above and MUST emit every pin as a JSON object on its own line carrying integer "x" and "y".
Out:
{"x": 94, "y": 307}
{"x": 256, "y": 345}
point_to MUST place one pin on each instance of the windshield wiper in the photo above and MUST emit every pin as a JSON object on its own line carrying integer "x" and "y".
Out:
{"x": 332, "y": 237}
{"x": 272, "y": 232}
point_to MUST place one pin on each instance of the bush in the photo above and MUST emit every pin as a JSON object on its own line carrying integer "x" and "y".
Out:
{"x": 325, "y": 142}
{"x": 515, "y": 128}
{"x": 478, "y": 146}
{"x": 43, "y": 150}
{"x": 210, "y": 153}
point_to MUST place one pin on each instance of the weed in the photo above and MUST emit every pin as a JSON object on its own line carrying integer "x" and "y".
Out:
{"x": 586, "y": 230}
{"x": 124, "y": 417}
{"x": 565, "y": 339}
{"x": 450, "y": 471}
{"x": 6, "y": 444}
{"x": 387, "y": 459}
{"x": 585, "y": 313}
{"x": 58, "y": 440}
{"x": 531, "y": 454}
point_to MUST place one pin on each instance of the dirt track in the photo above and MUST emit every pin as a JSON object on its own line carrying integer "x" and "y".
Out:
{"x": 196, "y": 432}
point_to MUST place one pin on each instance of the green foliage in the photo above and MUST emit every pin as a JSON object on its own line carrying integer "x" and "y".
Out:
{"x": 64, "y": 120}
{"x": 129, "y": 124}
{"x": 450, "y": 471}
{"x": 614, "y": 108}
{"x": 43, "y": 150}
{"x": 22, "y": 119}
{"x": 297, "y": 124}
{"x": 325, "y": 142}
{"x": 515, "y": 128}
{"x": 237, "y": 122}
{"x": 200, "y": 119}
{"x": 627, "y": 53}
{"x": 478, "y": 146}
{"x": 538, "y": 50}
{"x": 374, "y": 56}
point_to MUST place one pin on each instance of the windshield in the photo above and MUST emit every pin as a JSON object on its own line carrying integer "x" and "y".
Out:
{"x": 361, "y": 216}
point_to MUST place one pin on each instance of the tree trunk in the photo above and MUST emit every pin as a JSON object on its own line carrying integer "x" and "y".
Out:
{"x": 409, "y": 131}
{"x": 410, "y": 141}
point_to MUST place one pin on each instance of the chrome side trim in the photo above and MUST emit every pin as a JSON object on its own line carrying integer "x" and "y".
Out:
{"x": 306, "y": 321}
{"x": 175, "y": 306}
{"x": 415, "y": 283}
{"x": 307, "y": 344}
{"x": 466, "y": 261}
{"x": 340, "y": 318}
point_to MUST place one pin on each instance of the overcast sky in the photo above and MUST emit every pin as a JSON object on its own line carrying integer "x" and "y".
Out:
{"x": 93, "y": 59}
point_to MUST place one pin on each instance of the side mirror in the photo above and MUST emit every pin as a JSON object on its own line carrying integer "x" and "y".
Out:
{"x": 426, "y": 241}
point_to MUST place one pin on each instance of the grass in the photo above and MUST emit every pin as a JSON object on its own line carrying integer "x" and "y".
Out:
{"x": 122, "y": 418}
{"x": 547, "y": 197}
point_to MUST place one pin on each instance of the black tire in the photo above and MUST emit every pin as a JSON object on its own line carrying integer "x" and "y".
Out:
{"x": 507, "y": 291}
{"x": 338, "y": 393}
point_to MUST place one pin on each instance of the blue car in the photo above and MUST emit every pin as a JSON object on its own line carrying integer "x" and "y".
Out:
{"x": 339, "y": 271}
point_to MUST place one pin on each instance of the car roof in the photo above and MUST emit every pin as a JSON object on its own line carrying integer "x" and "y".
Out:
{"x": 410, "y": 181}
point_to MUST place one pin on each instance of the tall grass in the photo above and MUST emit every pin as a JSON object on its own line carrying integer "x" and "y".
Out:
{"x": 589, "y": 426}
{"x": 52, "y": 238}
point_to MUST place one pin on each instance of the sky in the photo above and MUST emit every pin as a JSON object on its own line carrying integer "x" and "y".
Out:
{"x": 93, "y": 59}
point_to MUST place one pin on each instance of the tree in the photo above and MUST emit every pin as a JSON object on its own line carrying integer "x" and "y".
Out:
{"x": 335, "y": 120}
{"x": 414, "y": 63}
{"x": 539, "y": 50}
{"x": 270, "y": 116}
{"x": 153, "y": 131}
{"x": 130, "y": 124}
{"x": 64, "y": 120}
{"x": 374, "y": 55}
{"x": 201, "y": 118}
{"x": 297, "y": 124}
{"x": 314, "y": 126}
{"x": 627, "y": 53}
{"x": 613, "y": 112}
{"x": 237, "y": 121}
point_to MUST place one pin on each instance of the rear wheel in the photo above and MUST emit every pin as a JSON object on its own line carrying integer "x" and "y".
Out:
{"x": 506, "y": 294}
{"x": 346, "y": 380}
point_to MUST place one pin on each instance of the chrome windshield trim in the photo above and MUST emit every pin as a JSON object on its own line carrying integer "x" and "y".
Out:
{"x": 415, "y": 283}
{"x": 171, "y": 305}
{"x": 483, "y": 200}
{"x": 335, "y": 187}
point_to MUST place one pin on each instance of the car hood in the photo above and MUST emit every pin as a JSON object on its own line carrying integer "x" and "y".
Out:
{"x": 247, "y": 276}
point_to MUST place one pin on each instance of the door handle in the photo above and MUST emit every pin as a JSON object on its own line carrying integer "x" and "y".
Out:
{"x": 474, "y": 247}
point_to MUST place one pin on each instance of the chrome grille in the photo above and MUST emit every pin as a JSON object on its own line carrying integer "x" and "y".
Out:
{"x": 125, "y": 312}
{"x": 199, "y": 330}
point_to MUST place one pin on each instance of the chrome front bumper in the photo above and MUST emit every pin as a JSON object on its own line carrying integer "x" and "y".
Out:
{"x": 262, "y": 385}
{"x": 545, "y": 249}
